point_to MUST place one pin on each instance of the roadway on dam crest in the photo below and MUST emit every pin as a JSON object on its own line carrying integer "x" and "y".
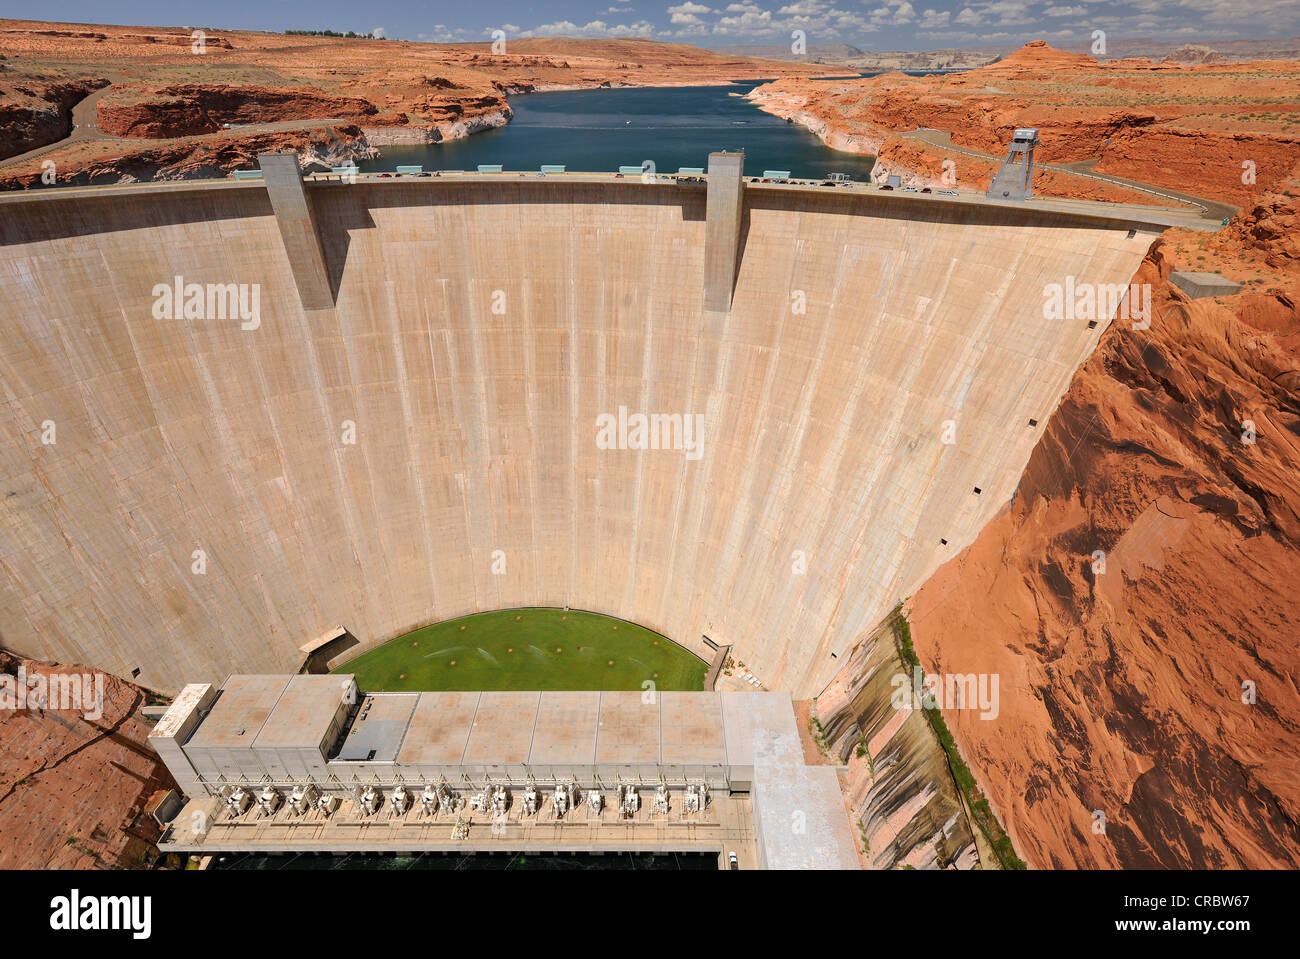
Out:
{"x": 1140, "y": 215}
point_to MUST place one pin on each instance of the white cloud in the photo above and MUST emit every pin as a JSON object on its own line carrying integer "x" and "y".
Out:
{"x": 751, "y": 20}
{"x": 802, "y": 8}
{"x": 557, "y": 28}
{"x": 998, "y": 12}
{"x": 438, "y": 33}
{"x": 594, "y": 28}
{"x": 984, "y": 21}
{"x": 901, "y": 12}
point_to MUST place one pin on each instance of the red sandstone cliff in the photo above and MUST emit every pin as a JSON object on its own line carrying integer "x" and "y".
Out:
{"x": 1122, "y": 691}
{"x": 1036, "y": 58}
{"x": 189, "y": 158}
{"x": 191, "y": 109}
{"x": 72, "y": 789}
{"x": 35, "y": 111}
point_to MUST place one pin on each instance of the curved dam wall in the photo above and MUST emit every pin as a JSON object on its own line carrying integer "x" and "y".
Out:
{"x": 428, "y": 447}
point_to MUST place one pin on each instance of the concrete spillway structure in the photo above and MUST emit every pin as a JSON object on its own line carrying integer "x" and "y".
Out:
{"x": 217, "y": 491}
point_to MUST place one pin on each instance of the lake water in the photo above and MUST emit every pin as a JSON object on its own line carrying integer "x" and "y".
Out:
{"x": 601, "y": 130}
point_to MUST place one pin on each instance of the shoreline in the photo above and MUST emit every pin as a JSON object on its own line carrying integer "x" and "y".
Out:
{"x": 428, "y": 137}
{"x": 841, "y": 140}
{"x": 460, "y": 130}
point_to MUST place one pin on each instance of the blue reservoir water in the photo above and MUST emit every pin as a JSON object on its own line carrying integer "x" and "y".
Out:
{"x": 601, "y": 130}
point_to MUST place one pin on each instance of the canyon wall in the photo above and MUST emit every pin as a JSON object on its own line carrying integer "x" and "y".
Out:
{"x": 37, "y": 110}
{"x": 182, "y": 110}
{"x": 74, "y": 781}
{"x": 920, "y": 164}
{"x": 1137, "y": 598}
{"x": 100, "y": 162}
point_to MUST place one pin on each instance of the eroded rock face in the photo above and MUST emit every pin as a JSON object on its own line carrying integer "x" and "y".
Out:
{"x": 1176, "y": 454}
{"x": 1193, "y": 53}
{"x": 1036, "y": 57}
{"x": 34, "y": 112}
{"x": 73, "y": 782}
{"x": 1231, "y": 165}
{"x": 192, "y": 109}
{"x": 319, "y": 149}
{"x": 1270, "y": 229}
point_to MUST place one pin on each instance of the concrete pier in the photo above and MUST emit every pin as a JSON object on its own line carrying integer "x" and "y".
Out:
{"x": 722, "y": 234}
{"x": 297, "y": 222}
{"x": 1201, "y": 285}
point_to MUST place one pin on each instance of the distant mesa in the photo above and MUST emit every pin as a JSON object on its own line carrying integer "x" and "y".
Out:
{"x": 1037, "y": 55}
{"x": 1195, "y": 53}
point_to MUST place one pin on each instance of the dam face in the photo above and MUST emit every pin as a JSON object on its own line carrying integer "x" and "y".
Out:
{"x": 214, "y": 496}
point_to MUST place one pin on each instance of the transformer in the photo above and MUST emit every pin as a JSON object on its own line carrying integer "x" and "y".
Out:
{"x": 268, "y": 800}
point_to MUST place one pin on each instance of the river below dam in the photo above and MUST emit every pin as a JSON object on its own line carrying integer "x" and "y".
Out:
{"x": 601, "y": 130}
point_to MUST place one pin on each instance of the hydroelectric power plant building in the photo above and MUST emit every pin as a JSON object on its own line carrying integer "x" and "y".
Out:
{"x": 283, "y": 764}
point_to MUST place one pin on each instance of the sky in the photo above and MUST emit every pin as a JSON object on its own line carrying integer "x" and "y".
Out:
{"x": 866, "y": 24}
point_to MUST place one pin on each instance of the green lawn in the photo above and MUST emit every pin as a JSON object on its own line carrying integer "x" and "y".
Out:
{"x": 528, "y": 649}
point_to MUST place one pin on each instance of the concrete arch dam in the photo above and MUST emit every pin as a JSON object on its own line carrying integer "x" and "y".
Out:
{"x": 190, "y": 497}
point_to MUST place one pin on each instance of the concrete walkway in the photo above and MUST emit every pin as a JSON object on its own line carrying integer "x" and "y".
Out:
{"x": 1129, "y": 214}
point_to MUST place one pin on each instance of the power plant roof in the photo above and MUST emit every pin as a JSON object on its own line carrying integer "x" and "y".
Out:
{"x": 240, "y": 712}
